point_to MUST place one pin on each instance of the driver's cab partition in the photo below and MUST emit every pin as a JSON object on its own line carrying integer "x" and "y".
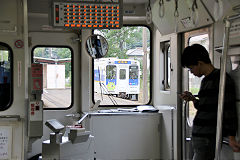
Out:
{"x": 167, "y": 131}
{"x": 126, "y": 135}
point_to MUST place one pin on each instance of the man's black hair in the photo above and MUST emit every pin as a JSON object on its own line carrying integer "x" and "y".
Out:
{"x": 194, "y": 53}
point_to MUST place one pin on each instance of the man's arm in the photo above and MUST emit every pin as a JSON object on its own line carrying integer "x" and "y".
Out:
{"x": 230, "y": 120}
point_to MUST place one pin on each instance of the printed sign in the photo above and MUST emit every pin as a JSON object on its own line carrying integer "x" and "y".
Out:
{"x": 5, "y": 142}
{"x": 37, "y": 70}
{"x": 35, "y": 110}
{"x": 37, "y": 78}
{"x": 19, "y": 43}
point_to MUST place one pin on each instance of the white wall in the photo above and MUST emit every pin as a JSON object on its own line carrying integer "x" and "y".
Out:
{"x": 55, "y": 76}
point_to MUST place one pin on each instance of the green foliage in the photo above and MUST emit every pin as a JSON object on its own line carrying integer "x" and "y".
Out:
{"x": 5, "y": 60}
{"x": 4, "y": 55}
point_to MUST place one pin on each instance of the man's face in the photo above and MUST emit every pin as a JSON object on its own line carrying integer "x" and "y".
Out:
{"x": 195, "y": 70}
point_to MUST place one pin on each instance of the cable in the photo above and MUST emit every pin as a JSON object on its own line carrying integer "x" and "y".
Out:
{"x": 149, "y": 13}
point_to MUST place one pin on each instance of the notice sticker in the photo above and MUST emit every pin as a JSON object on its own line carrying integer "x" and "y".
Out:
{"x": 19, "y": 43}
{"x": 5, "y": 142}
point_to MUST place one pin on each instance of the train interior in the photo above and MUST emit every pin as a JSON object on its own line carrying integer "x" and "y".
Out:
{"x": 61, "y": 98}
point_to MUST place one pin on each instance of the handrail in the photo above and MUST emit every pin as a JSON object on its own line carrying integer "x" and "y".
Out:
{"x": 227, "y": 21}
{"x": 82, "y": 118}
{"x": 221, "y": 91}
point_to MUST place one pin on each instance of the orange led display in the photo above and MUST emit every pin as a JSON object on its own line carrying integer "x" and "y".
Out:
{"x": 106, "y": 14}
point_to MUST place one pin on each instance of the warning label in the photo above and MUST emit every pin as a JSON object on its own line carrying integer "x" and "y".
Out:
{"x": 37, "y": 78}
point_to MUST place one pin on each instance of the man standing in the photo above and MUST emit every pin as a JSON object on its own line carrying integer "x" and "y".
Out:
{"x": 196, "y": 58}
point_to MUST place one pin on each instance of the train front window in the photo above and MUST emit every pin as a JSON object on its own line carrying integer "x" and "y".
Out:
{"x": 133, "y": 72}
{"x": 57, "y": 75}
{"x": 6, "y": 68}
{"x": 111, "y": 72}
{"x": 128, "y": 83}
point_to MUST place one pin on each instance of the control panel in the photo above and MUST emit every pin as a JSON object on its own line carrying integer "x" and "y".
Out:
{"x": 54, "y": 125}
{"x": 88, "y": 14}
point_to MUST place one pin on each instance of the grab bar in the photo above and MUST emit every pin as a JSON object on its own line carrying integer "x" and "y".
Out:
{"x": 227, "y": 21}
{"x": 10, "y": 118}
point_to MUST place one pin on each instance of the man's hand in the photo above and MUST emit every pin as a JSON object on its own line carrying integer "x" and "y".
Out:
{"x": 187, "y": 96}
{"x": 234, "y": 144}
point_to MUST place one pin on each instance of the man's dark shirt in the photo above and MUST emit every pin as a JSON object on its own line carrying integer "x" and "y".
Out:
{"x": 205, "y": 121}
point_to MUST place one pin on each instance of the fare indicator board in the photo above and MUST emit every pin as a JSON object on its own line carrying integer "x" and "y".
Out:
{"x": 89, "y": 15}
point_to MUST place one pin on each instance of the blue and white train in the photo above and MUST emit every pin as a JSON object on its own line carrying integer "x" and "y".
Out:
{"x": 120, "y": 77}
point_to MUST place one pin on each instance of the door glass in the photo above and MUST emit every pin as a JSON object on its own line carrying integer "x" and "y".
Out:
{"x": 5, "y": 76}
{"x": 195, "y": 82}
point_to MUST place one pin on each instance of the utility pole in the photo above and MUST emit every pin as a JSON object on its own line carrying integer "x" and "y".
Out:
{"x": 144, "y": 72}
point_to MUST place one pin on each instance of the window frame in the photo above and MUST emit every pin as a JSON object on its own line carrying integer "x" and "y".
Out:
{"x": 72, "y": 70}
{"x": 150, "y": 68}
{"x": 11, "y": 79}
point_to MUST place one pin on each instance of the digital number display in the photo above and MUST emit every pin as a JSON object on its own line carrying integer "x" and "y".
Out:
{"x": 87, "y": 15}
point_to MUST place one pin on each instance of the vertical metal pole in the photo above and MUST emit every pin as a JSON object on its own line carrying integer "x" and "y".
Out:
{"x": 145, "y": 82}
{"x": 221, "y": 91}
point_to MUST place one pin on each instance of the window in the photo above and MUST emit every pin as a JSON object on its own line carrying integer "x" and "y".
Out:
{"x": 57, "y": 75}
{"x": 133, "y": 72}
{"x": 125, "y": 70}
{"x": 6, "y": 79}
{"x": 194, "y": 82}
{"x": 166, "y": 65}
